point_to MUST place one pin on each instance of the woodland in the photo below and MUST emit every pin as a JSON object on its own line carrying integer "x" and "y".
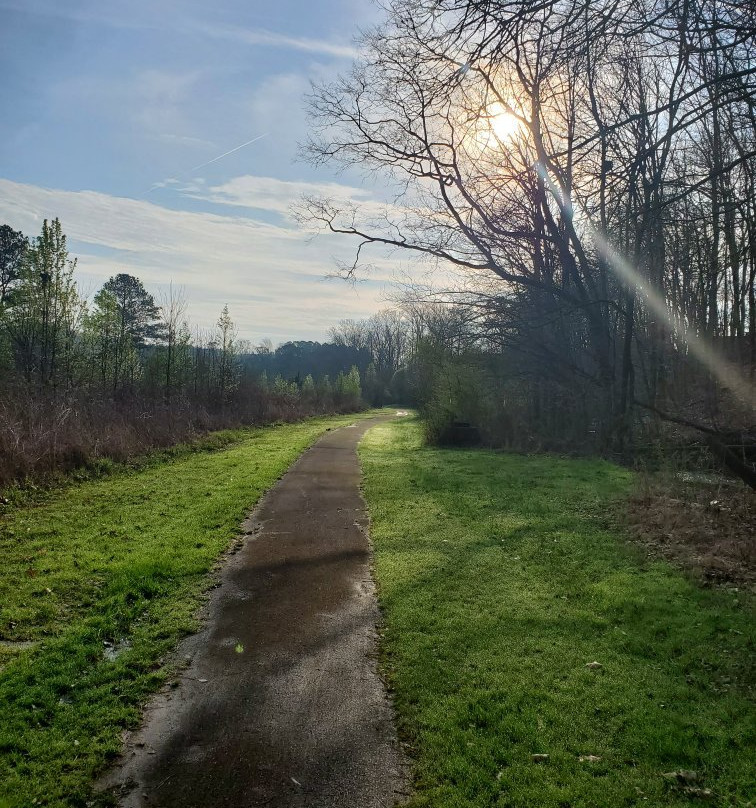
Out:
{"x": 588, "y": 169}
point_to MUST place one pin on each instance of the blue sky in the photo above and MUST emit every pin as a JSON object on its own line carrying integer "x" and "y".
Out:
{"x": 108, "y": 106}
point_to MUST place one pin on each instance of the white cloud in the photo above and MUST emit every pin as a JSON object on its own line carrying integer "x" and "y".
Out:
{"x": 151, "y": 15}
{"x": 261, "y": 36}
{"x": 271, "y": 194}
{"x": 272, "y": 277}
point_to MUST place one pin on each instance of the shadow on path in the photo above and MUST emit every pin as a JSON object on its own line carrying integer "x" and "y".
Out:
{"x": 280, "y": 704}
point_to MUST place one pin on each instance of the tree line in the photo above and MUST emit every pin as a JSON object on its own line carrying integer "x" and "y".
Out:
{"x": 122, "y": 373}
{"x": 589, "y": 168}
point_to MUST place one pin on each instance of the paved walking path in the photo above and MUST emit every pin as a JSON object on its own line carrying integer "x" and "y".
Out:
{"x": 280, "y": 704}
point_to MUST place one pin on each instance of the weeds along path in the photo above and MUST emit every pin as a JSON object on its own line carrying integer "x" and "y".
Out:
{"x": 98, "y": 584}
{"x": 280, "y": 703}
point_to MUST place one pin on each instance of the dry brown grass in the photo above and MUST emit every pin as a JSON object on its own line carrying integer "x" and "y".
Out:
{"x": 701, "y": 522}
{"x": 44, "y": 436}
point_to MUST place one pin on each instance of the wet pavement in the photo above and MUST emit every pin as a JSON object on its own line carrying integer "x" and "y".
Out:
{"x": 280, "y": 703}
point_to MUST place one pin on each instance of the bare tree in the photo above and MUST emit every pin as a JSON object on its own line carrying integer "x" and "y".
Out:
{"x": 546, "y": 151}
{"x": 176, "y": 339}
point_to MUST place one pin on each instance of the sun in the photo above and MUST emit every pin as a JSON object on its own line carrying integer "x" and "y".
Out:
{"x": 503, "y": 124}
{"x": 496, "y": 126}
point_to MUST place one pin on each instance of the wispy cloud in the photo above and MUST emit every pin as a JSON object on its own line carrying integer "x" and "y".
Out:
{"x": 272, "y": 277}
{"x": 261, "y": 36}
{"x": 185, "y": 140}
{"x": 149, "y": 15}
{"x": 271, "y": 194}
{"x": 284, "y": 196}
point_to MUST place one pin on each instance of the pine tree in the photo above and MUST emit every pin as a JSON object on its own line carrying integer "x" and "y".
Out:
{"x": 227, "y": 365}
{"x": 46, "y": 310}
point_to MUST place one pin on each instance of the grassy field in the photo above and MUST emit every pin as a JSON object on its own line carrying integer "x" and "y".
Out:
{"x": 97, "y": 584}
{"x": 501, "y": 579}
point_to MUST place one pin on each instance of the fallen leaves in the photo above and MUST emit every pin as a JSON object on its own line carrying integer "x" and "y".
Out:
{"x": 594, "y": 666}
{"x": 708, "y": 528}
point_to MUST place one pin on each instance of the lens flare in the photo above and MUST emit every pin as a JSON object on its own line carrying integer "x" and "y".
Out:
{"x": 727, "y": 374}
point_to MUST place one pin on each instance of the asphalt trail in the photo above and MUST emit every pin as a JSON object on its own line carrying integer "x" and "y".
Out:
{"x": 280, "y": 704}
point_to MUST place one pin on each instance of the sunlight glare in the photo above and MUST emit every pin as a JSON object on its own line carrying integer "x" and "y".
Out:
{"x": 503, "y": 124}
{"x": 726, "y": 373}
{"x": 496, "y": 126}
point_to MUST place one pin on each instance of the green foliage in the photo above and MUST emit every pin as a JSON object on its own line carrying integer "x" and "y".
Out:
{"x": 111, "y": 343}
{"x": 98, "y": 583}
{"x": 373, "y": 387}
{"x": 226, "y": 360}
{"x": 385, "y": 339}
{"x": 500, "y": 579}
{"x": 352, "y": 385}
{"x": 282, "y": 387}
{"x": 46, "y": 309}
{"x": 348, "y": 384}
{"x": 179, "y": 371}
{"x": 451, "y": 387}
{"x": 324, "y": 387}
{"x": 308, "y": 385}
{"x": 13, "y": 249}
{"x": 138, "y": 316}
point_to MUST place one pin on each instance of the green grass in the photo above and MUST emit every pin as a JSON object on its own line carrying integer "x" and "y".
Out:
{"x": 500, "y": 577}
{"x": 122, "y": 560}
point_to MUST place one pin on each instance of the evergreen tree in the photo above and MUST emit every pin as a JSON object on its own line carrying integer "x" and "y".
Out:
{"x": 352, "y": 383}
{"x": 139, "y": 316}
{"x": 227, "y": 363}
{"x": 13, "y": 249}
{"x": 373, "y": 391}
{"x": 46, "y": 310}
{"x": 308, "y": 386}
{"x": 324, "y": 387}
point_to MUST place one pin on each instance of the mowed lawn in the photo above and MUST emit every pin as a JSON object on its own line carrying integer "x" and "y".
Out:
{"x": 501, "y": 579}
{"x": 97, "y": 585}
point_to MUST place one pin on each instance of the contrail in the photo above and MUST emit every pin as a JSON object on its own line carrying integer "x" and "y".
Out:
{"x": 163, "y": 184}
{"x": 231, "y": 151}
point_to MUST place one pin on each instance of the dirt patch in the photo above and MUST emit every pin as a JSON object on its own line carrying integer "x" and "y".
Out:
{"x": 703, "y": 524}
